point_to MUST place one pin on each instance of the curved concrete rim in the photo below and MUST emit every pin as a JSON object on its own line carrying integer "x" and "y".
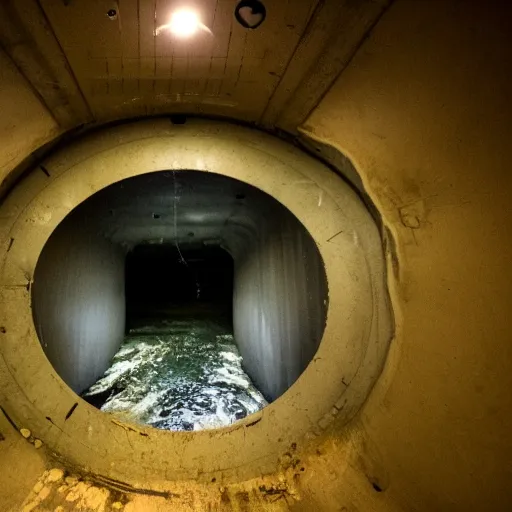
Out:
{"x": 337, "y": 381}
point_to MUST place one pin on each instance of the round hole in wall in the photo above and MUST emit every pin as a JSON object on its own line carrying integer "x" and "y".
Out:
{"x": 191, "y": 323}
{"x": 333, "y": 386}
{"x": 250, "y": 13}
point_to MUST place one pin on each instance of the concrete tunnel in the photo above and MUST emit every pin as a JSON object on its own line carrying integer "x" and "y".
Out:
{"x": 349, "y": 160}
{"x": 279, "y": 292}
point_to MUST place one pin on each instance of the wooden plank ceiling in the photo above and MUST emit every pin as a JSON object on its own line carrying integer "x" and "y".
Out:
{"x": 100, "y": 69}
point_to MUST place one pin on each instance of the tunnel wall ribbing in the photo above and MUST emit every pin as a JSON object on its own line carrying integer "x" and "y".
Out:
{"x": 279, "y": 302}
{"x": 79, "y": 304}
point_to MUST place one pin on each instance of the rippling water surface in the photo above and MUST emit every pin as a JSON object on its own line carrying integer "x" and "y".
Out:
{"x": 177, "y": 375}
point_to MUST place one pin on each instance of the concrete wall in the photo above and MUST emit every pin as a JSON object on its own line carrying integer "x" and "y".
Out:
{"x": 423, "y": 111}
{"x": 279, "y": 300}
{"x": 25, "y": 123}
{"x": 78, "y": 303}
{"x": 357, "y": 331}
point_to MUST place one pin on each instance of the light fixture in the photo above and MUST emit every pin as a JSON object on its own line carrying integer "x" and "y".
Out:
{"x": 250, "y": 13}
{"x": 184, "y": 23}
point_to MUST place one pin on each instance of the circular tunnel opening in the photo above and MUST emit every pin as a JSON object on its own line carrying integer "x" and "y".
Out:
{"x": 183, "y": 300}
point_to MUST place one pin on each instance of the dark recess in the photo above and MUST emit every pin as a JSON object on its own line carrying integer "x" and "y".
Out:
{"x": 178, "y": 119}
{"x": 160, "y": 280}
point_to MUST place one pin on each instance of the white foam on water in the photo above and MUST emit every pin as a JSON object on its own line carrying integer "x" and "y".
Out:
{"x": 178, "y": 376}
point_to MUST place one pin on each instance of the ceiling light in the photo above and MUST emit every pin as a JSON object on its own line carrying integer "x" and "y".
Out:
{"x": 184, "y": 23}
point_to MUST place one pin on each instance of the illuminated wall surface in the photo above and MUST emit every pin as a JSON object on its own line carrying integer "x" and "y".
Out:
{"x": 394, "y": 124}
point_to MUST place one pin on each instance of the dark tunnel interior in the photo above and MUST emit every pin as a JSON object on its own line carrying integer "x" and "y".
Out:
{"x": 183, "y": 300}
{"x": 162, "y": 279}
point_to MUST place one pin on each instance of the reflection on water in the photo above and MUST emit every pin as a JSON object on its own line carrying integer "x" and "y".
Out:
{"x": 177, "y": 375}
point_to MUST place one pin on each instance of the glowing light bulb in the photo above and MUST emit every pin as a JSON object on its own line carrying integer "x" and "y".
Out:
{"x": 183, "y": 23}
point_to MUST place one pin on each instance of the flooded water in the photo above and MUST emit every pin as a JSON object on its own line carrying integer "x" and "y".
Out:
{"x": 177, "y": 374}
